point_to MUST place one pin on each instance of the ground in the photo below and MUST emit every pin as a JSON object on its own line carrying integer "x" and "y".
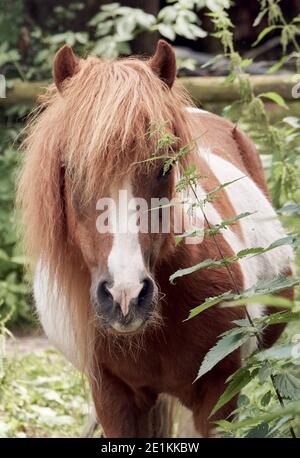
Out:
{"x": 42, "y": 395}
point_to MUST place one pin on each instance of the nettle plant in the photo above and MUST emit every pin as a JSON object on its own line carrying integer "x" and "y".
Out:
{"x": 273, "y": 373}
{"x": 276, "y": 371}
{"x": 280, "y": 141}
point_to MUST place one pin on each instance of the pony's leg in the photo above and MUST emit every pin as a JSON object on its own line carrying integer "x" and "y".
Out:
{"x": 120, "y": 411}
{"x": 185, "y": 425}
{"x": 208, "y": 394}
{"x": 161, "y": 416}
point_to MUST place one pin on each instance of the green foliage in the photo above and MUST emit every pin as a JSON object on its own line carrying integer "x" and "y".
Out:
{"x": 274, "y": 414}
{"x": 262, "y": 289}
{"x": 288, "y": 385}
{"x": 116, "y": 26}
{"x": 213, "y": 230}
{"x": 180, "y": 19}
{"x": 14, "y": 291}
{"x": 229, "y": 342}
{"x": 228, "y": 260}
{"x": 282, "y": 143}
{"x": 10, "y": 20}
{"x": 108, "y": 34}
{"x": 236, "y": 382}
{"x": 36, "y": 402}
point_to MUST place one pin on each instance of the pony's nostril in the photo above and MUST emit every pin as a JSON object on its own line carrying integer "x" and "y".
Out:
{"x": 105, "y": 288}
{"x": 103, "y": 291}
{"x": 146, "y": 291}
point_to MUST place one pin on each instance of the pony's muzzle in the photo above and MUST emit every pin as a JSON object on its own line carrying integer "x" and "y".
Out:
{"x": 126, "y": 307}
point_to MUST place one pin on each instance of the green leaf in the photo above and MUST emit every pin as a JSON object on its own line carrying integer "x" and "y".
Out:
{"x": 293, "y": 240}
{"x": 280, "y": 317}
{"x": 275, "y": 285}
{"x": 263, "y": 33}
{"x": 243, "y": 400}
{"x": 265, "y": 371}
{"x": 260, "y": 431}
{"x": 266, "y": 398}
{"x": 167, "y": 14}
{"x": 259, "y": 17}
{"x": 104, "y": 28}
{"x": 267, "y": 299}
{"x": 190, "y": 270}
{"x": 288, "y": 385}
{"x": 245, "y": 63}
{"x": 100, "y": 17}
{"x": 224, "y": 425}
{"x": 210, "y": 195}
{"x": 261, "y": 288}
{"x": 166, "y": 30}
{"x": 276, "y": 353}
{"x": 275, "y": 98}
{"x": 81, "y": 37}
{"x": 209, "y": 302}
{"x": 292, "y": 408}
{"x": 110, "y": 7}
{"x": 274, "y": 68}
{"x": 290, "y": 209}
{"x": 226, "y": 222}
{"x": 280, "y": 423}
{"x": 125, "y": 27}
{"x": 247, "y": 251}
{"x": 212, "y": 60}
{"x": 237, "y": 381}
{"x": 292, "y": 121}
{"x": 3, "y": 256}
{"x": 144, "y": 20}
{"x": 226, "y": 345}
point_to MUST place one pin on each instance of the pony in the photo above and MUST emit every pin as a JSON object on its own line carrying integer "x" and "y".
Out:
{"x": 105, "y": 299}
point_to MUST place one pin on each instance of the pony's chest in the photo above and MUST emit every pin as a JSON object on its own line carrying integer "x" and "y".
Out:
{"x": 165, "y": 362}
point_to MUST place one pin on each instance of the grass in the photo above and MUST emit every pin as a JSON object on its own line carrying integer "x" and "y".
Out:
{"x": 42, "y": 395}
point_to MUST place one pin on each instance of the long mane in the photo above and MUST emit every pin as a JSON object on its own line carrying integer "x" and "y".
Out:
{"x": 95, "y": 131}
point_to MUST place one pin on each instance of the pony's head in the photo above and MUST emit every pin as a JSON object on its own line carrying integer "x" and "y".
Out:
{"x": 93, "y": 178}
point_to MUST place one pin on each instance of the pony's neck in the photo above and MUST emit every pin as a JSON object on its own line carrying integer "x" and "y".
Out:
{"x": 190, "y": 290}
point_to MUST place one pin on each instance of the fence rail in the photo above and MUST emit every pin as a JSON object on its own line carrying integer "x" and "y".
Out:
{"x": 206, "y": 91}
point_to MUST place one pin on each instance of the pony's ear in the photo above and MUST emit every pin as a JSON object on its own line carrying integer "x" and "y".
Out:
{"x": 163, "y": 62}
{"x": 65, "y": 65}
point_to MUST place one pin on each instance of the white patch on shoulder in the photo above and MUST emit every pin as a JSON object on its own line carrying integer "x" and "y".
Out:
{"x": 259, "y": 229}
{"x": 53, "y": 314}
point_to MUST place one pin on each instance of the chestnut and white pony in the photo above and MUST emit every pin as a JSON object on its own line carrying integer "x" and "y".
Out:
{"x": 104, "y": 299}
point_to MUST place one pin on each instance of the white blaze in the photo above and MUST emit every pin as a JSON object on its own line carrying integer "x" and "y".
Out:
{"x": 125, "y": 261}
